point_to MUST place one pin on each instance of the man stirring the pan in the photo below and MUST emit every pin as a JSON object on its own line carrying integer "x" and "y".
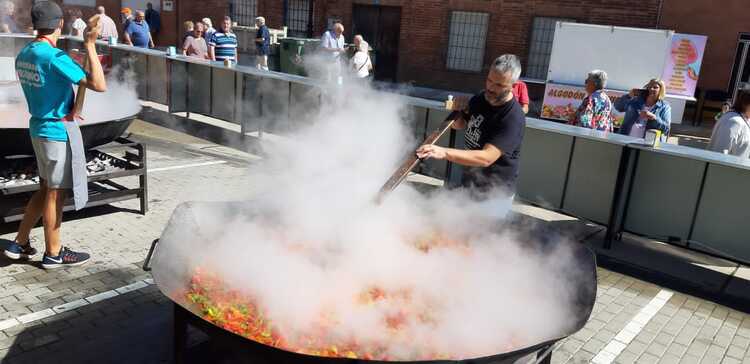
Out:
{"x": 47, "y": 75}
{"x": 494, "y": 125}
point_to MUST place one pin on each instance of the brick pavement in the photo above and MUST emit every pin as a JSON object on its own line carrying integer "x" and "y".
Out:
{"x": 685, "y": 330}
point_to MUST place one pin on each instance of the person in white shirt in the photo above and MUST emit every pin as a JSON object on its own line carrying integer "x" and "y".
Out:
{"x": 78, "y": 25}
{"x": 333, "y": 43}
{"x": 361, "y": 63}
{"x": 731, "y": 134}
{"x": 109, "y": 29}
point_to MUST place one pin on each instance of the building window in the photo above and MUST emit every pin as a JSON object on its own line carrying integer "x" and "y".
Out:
{"x": 466, "y": 40}
{"x": 298, "y": 18}
{"x": 90, "y": 3}
{"x": 244, "y": 11}
{"x": 540, "y": 46}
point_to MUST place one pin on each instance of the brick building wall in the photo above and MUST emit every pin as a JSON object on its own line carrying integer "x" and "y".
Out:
{"x": 425, "y": 25}
{"x": 722, "y": 23}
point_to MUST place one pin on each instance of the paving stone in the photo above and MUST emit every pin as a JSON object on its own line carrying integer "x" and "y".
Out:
{"x": 559, "y": 357}
{"x": 677, "y": 349}
{"x": 708, "y": 359}
{"x": 582, "y": 356}
{"x": 647, "y": 358}
{"x": 669, "y": 359}
{"x": 64, "y": 285}
{"x": 690, "y": 359}
{"x": 7, "y": 342}
{"x": 736, "y": 352}
{"x": 728, "y": 360}
{"x": 626, "y": 358}
{"x": 697, "y": 348}
{"x": 656, "y": 349}
{"x": 594, "y": 345}
{"x": 31, "y": 317}
{"x": 715, "y": 351}
{"x": 54, "y": 294}
{"x": 664, "y": 339}
{"x": 38, "y": 341}
{"x": 13, "y": 290}
{"x": 46, "y": 304}
{"x": 8, "y": 299}
{"x": 741, "y": 342}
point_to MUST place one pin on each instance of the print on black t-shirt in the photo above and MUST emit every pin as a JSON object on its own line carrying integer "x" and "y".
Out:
{"x": 501, "y": 126}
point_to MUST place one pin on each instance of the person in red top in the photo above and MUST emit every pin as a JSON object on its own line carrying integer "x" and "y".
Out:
{"x": 522, "y": 95}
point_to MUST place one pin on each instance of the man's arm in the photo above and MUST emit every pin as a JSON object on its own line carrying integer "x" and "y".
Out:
{"x": 126, "y": 36}
{"x": 460, "y": 103}
{"x": 94, "y": 80}
{"x": 459, "y": 123}
{"x": 4, "y": 28}
{"x": 211, "y": 53}
{"x": 150, "y": 41}
{"x": 525, "y": 108}
{"x": 484, "y": 157}
{"x": 185, "y": 47}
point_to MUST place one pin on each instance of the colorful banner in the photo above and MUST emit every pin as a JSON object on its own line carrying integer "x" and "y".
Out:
{"x": 562, "y": 101}
{"x": 683, "y": 65}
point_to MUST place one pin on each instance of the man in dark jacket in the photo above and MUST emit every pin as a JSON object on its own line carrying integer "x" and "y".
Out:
{"x": 153, "y": 19}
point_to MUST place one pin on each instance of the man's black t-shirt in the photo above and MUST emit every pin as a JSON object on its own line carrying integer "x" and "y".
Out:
{"x": 502, "y": 126}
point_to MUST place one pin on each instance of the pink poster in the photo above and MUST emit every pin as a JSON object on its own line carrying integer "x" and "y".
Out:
{"x": 683, "y": 65}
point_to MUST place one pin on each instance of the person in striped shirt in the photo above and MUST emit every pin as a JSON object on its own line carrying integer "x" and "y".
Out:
{"x": 223, "y": 43}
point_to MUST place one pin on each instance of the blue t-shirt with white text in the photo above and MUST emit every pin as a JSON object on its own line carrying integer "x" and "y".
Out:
{"x": 139, "y": 33}
{"x": 47, "y": 76}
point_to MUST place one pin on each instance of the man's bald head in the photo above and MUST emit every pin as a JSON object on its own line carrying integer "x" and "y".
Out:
{"x": 100, "y": 10}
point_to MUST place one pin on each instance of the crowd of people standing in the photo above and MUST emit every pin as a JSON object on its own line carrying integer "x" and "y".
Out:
{"x": 646, "y": 109}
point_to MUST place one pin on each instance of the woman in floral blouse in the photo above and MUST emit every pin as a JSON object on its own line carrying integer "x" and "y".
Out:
{"x": 595, "y": 111}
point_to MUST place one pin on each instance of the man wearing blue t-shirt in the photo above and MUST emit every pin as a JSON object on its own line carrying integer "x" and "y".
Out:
{"x": 223, "y": 43}
{"x": 262, "y": 43}
{"x": 47, "y": 75}
{"x": 138, "y": 33}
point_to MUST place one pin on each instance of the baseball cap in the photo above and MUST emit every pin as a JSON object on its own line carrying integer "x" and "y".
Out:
{"x": 46, "y": 15}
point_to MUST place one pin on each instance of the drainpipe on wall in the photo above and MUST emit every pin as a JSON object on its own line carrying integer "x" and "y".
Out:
{"x": 658, "y": 14}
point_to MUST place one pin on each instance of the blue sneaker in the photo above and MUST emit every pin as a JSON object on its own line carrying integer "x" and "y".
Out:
{"x": 66, "y": 258}
{"x": 17, "y": 251}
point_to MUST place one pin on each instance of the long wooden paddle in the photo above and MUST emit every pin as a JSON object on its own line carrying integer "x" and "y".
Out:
{"x": 412, "y": 160}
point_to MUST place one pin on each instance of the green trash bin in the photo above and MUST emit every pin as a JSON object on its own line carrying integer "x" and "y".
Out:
{"x": 292, "y": 53}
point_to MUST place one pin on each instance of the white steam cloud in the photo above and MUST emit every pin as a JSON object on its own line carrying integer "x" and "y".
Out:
{"x": 119, "y": 101}
{"x": 457, "y": 284}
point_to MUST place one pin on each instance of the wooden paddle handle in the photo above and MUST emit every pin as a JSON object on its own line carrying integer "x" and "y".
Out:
{"x": 412, "y": 161}
{"x": 81, "y": 94}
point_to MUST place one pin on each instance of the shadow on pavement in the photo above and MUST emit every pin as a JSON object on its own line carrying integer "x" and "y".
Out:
{"x": 131, "y": 328}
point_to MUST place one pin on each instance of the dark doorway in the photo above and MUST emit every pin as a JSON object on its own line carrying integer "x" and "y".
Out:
{"x": 381, "y": 27}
